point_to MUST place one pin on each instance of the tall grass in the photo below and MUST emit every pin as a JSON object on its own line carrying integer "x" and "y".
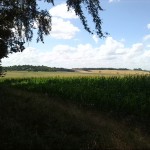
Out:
{"x": 126, "y": 95}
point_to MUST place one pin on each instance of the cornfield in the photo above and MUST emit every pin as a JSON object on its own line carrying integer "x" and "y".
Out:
{"x": 121, "y": 95}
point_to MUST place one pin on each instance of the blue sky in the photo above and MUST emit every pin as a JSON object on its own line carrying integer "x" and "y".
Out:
{"x": 70, "y": 46}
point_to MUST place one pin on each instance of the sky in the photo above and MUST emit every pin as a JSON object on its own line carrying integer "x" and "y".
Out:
{"x": 70, "y": 46}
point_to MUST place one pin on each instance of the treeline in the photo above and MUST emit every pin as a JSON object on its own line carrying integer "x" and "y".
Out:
{"x": 88, "y": 69}
{"x": 35, "y": 68}
{"x": 55, "y": 69}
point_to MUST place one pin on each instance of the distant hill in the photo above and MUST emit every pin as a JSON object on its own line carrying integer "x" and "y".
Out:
{"x": 35, "y": 68}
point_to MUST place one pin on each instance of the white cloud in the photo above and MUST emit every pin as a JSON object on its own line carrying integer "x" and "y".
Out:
{"x": 63, "y": 29}
{"x": 148, "y": 26}
{"x": 148, "y": 46}
{"x": 95, "y": 38}
{"x": 146, "y": 37}
{"x": 135, "y": 51}
{"x": 111, "y": 1}
{"x": 62, "y": 12}
{"x": 111, "y": 47}
{"x": 122, "y": 40}
{"x": 111, "y": 54}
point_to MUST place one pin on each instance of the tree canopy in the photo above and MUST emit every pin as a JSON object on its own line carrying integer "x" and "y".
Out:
{"x": 17, "y": 19}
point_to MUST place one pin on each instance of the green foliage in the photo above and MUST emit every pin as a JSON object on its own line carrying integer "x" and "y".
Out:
{"x": 125, "y": 96}
{"x": 35, "y": 68}
{"x": 17, "y": 19}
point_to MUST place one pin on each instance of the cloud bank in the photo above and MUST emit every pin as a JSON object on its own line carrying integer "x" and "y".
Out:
{"x": 112, "y": 53}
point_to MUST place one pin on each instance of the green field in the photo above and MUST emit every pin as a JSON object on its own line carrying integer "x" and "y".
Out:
{"x": 74, "y": 111}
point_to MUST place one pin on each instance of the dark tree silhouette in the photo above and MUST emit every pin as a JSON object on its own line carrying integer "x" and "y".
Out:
{"x": 17, "y": 18}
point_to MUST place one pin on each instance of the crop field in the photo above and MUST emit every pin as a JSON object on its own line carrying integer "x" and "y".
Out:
{"x": 120, "y": 97}
{"x": 126, "y": 95}
{"x": 119, "y": 72}
{"x": 77, "y": 73}
{"x": 26, "y": 74}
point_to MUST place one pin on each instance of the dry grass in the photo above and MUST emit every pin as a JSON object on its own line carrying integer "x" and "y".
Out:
{"x": 25, "y": 74}
{"x": 114, "y": 72}
{"x": 120, "y": 72}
